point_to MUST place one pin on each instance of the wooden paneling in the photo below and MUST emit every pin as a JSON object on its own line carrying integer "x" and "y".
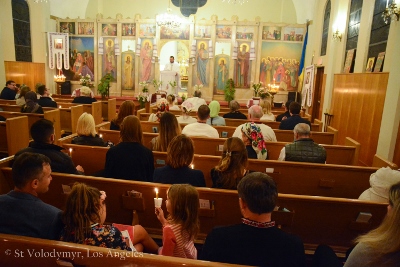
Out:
{"x": 396, "y": 157}
{"x": 357, "y": 105}
{"x": 25, "y": 72}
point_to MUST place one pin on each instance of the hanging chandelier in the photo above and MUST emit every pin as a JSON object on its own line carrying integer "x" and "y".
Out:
{"x": 168, "y": 19}
{"x": 240, "y": 2}
{"x": 39, "y": 1}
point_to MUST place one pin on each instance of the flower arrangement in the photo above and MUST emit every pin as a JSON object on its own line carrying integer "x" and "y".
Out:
{"x": 260, "y": 90}
{"x": 173, "y": 84}
{"x": 198, "y": 87}
{"x": 229, "y": 90}
{"x": 144, "y": 96}
{"x": 256, "y": 88}
{"x": 157, "y": 84}
{"x": 86, "y": 80}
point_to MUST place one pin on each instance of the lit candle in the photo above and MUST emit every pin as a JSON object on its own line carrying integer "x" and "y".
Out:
{"x": 59, "y": 106}
{"x": 70, "y": 152}
{"x": 156, "y": 193}
{"x": 192, "y": 166}
{"x": 101, "y": 136}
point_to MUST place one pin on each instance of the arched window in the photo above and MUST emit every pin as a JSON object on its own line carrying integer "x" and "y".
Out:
{"x": 354, "y": 24}
{"x": 379, "y": 30}
{"x": 325, "y": 29}
{"x": 22, "y": 30}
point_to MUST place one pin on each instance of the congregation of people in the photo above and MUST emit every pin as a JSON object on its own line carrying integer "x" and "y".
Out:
{"x": 255, "y": 241}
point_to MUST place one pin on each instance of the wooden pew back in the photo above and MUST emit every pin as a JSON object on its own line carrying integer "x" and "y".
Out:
{"x": 380, "y": 162}
{"x": 292, "y": 177}
{"x": 51, "y": 115}
{"x": 316, "y": 220}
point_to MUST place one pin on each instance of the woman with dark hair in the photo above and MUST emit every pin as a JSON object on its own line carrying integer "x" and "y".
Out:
{"x": 127, "y": 108}
{"x": 232, "y": 166}
{"x": 180, "y": 154}
{"x": 31, "y": 105}
{"x": 130, "y": 160}
{"x": 21, "y": 98}
{"x": 169, "y": 128}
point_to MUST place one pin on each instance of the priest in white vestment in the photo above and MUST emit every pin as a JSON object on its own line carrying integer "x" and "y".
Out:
{"x": 173, "y": 66}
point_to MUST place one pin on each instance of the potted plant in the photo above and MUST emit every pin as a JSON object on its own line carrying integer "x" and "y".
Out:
{"x": 229, "y": 90}
{"x": 104, "y": 86}
{"x": 144, "y": 96}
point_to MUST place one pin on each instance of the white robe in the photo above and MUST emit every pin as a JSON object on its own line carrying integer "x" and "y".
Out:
{"x": 174, "y": 67}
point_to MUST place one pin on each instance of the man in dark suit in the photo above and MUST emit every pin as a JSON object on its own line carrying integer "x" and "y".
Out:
{"x": 256, "y": 241}
{"x": 285, "y": 115}
{"x": 10, "y": 91}
{"x": 294, "y": 119}
{"x": 21, "y": 211}
{"x": 45, "y": 99}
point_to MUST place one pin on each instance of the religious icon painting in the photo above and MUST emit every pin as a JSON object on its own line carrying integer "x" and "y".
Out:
{"x": 86, "y": 28}
{"x": 128, "y": 29}
{"x": 370, "y": 65}
{"x": 58, "y": 43}
{"x": 202, "y": 31}
{"x": 81, "y": 58}
{"x": 128, "y": 70}
{"x": 244, "y": 32}
{"x": 109, "y": 58}
{"x": 147, "y": 30}
{"x": 271, "y": 33}
{"x": 379, "y": 62}
{"x": 224, "y": 31}
{"x": 293, "y": 34}
{"x": 109, "y": 29}
{"x": 67, "y": 27}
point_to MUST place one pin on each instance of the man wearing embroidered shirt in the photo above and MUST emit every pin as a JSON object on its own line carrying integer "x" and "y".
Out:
{"x": 256, "y": 241}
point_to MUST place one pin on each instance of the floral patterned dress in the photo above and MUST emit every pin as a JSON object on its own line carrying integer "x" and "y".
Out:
{"x": 106, "y": 236}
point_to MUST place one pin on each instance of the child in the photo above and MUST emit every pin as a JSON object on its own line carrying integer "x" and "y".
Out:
{"x": 84, "y": 218}
{"x": 182, "y": 224}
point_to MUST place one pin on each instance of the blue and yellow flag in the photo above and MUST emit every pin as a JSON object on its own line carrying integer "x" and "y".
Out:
{"x": 301, "y": 66}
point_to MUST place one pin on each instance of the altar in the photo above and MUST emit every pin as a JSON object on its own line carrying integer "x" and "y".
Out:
{"x": 166, "y": 77}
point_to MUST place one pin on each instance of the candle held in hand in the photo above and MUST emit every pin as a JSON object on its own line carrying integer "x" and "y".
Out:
{"x": 156, "y": 192}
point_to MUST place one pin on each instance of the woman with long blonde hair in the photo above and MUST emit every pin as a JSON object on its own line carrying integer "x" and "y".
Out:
{"x": 169, "y": 128}
{"x": 380, "y": 247}
{"x": 232, "y": 166}
{"x": 266, "y": 107}
{"x": 86, "y": 131}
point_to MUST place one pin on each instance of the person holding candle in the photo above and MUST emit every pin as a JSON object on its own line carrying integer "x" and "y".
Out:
{"x": 182, "y": 224}
{"x": 180, "y": 154}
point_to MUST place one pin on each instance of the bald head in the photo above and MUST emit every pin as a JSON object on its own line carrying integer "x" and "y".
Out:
{"x": 301, "y": 130}
{"x": 255, "y": 112}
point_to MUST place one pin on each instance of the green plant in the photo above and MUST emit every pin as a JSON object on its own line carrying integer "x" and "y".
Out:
{"x": 229, "y": 90}
{"x": 104, "y": 86}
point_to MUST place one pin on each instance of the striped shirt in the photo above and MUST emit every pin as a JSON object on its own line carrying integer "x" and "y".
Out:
{"x": 176, "y": 243}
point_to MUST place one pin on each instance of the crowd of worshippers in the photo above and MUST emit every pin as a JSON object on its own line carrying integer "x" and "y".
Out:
{"x": 33, "y": 102}
{"x": 256, "y": 241}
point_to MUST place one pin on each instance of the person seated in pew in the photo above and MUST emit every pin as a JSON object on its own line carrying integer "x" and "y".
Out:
{"x": 162, "y": 106}
{"x": 182, "y": 224}
{"x": 86, "y": 131}
{"x": 266, "y": 108}
{"x": 77, "y": 92}
{"x": 9, "y": 91}
{"x": 285, "y": 115}
{"x": 303, "y": 149}
{"x": 234, "y": 111}
{"x": 171, "y": 103}
{"x": 21, "y": 98}
{"x": 21, "y": 210}
{"x": 253, "y": 139}
{"x": 256, "y": 241}
{"x": 380, "y": 182}
{"x": 186, "y": 107}
{"x": 214, "y": 118}
{"x": 45, "y": 100}
{"x": 196, "y": 100}
{"x": 84, "y": 217}
{"x": 180, "y": 154}
{"x": 42, "y": 132}
{"x": 379, "y": 247}
{"x": 130, "y": 159}
{"x": 232, "y": 166}
{"x": 85, "y": 96}
{"x": 169, "y": 128}
{"x": 294, "y": 118}
{"x": 31, "y": 105}
{"x": 127, "y": 108}
{"x": 201, "y": 128}
{"x": 255, "y": 113}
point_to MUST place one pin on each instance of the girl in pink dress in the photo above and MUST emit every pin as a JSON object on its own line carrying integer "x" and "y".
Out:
{"x": 182, "y": 224}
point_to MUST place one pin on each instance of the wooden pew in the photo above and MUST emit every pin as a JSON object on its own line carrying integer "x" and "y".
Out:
{"x": 10, "y": 107}
{"x": 14, "y": 135}
{"x": 320, "y": 123}
{"x": 272, "y": 124}
{"x": 227, "y": 131}
{"x": 317, "y": 220}
{"x": 96, "y": 109}
{"x": 351, "y": 142}
{"x": 51, "y": 115}
{"x": 292, "y": 177}
{"x": 342, "y": 155}
{"x": 380, "y": 162}
{"x": 7, "y": 102}
{"x": 330, "y": 129}
{"x": 69, "y": 117}
{"x": 109, "y": 109}
{"x": 82, "y": 255}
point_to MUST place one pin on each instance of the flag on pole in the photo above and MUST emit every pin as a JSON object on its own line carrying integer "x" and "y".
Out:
{"x": 302, "y": 59}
